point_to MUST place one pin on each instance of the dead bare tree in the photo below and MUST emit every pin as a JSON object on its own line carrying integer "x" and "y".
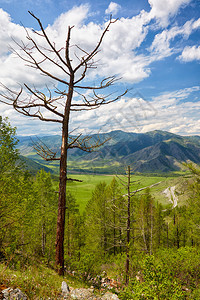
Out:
{"x": 58, "y": 102}
{"x": 127, "y": 183}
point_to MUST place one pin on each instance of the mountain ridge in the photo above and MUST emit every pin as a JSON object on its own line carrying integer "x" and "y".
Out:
{"x": 155, "y": 151}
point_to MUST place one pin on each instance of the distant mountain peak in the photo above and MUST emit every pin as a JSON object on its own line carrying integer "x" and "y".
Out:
{"x": 154, "y": 151}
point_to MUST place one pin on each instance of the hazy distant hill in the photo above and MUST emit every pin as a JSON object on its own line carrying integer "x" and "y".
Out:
{"x": 31, "y": 165}
{"x": 155, "y": 151}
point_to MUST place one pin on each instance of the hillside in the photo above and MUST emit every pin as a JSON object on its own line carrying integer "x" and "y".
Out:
{"x": 152, "y": 152}
{"x": 31, "y": 165}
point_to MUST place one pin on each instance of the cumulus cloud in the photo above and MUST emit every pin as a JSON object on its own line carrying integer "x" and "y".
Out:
{"x": 119, "y": 49}
{"x": 161, "y": 45}
{"x": 163, "y": 10}
{"x": 171, "y": 111}
{"x": 190, "y": 54}
{"x": 120, "y": 54}
{"x": 113, "y": 8}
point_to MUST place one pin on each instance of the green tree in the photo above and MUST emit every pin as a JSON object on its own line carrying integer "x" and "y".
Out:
{"x": 40, "y": 216}
{"x": 160, "y": 227}
{"x": 72, "y": 232}
{"x": 11, "y": 191}
{"x": 116, "y": 221}
{"x": 156, "y": 283}
{"x": 96, "y": 220}
{"x": 145, "y": 222}
{"x": 193, "y": 207}
{"x": 8, "y": 152}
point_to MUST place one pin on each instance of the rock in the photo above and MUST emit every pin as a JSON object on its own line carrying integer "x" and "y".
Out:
{"x": 65, "y": 289}
{"x": 67, "y": 293}
{"x": 81, "y": 294}
{"x": 13, "y": 294}
{"x": 109, "y": 296}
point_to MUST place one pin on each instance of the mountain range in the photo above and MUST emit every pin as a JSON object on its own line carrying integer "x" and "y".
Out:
{"x": 152, "y": 152}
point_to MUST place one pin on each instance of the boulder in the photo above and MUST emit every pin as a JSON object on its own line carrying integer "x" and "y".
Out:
{"x": 81, "y": 294}
{"x": 109, "y": 296}
{"x": 65, "y": 289}
{"x": 13, "y": 294}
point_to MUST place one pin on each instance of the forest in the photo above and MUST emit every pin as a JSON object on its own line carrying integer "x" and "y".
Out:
{"x": 150, "y": 250}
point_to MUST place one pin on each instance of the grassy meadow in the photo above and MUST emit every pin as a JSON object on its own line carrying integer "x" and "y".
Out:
{"x": 83, "y": 190}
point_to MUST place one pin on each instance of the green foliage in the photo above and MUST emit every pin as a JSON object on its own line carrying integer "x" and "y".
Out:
{"x": 83, "y": 190}
{"x": 74, "y": 233}
{"x": 30, "y": 213}
{"x": 183, "y": 263}
{"x": 97, "y": 233}
{"x": 40, "y": 217}
{"x": 169, "y": 274}
{"x": 193, "y": 211}
{"x": 86, "y": 266}
{"x": 8, "y": 152}
{"x": 13, "y": 191}
{"x": 37, "y": 282}
{"x": 153, "y": 283}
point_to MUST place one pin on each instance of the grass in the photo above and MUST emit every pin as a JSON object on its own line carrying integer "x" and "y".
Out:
{"x": 36, "y": 281}
{"x": 83, "y": 190}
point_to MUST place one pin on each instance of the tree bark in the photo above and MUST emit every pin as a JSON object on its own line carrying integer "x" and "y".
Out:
{"x": 128, "y": 227}
{"x": 61, "y": 206}
{"x": 62, "y": 184}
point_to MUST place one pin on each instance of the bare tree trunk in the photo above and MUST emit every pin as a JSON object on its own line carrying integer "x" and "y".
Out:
{"x": 143, "y": 234}
{"x": 61, "y": 206}
{"x": 114, "y": 235}
{"x": 43, "y": 239}
{"x": 68, "y": 234}
{"x": 128, "y": 228}
{"x": 62, "y": 185}
{"x": 167, "y": 235}
{"x": 177, "y": 236}
{"x": 114, "y": 229}
{"x": 151, "y": 238}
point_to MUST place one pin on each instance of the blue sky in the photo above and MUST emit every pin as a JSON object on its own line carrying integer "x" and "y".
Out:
{"x": 154, "y": 48}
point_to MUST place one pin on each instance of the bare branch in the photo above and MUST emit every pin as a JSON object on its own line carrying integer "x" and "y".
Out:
{"x": 95, "y": 51}
{"x": 73, "y": 179}
{"x": 47, "y": 103}
{"x": 106, "y": 82}
{"x": 44, "y": 151}
{"x": 95, "y": 101}
{"x": 42, "y": 52}
{"x": 144, "y": 188}
{"x": 47, "y": 39}
{"x": 86, "y": 143}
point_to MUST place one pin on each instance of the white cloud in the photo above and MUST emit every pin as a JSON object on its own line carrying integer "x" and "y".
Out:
{"x": 170, "y": 111}
{"x": 73, "y": 17}
{"x": 119, "y": 55}
{"x": 161, "y": 45}
{"x": 113, "y": 8}
{"x": 175, "y": 113}
{"x": 190, "y": 54}
{"x": 162, "y": 10}
{"x": 119, "y": 49}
